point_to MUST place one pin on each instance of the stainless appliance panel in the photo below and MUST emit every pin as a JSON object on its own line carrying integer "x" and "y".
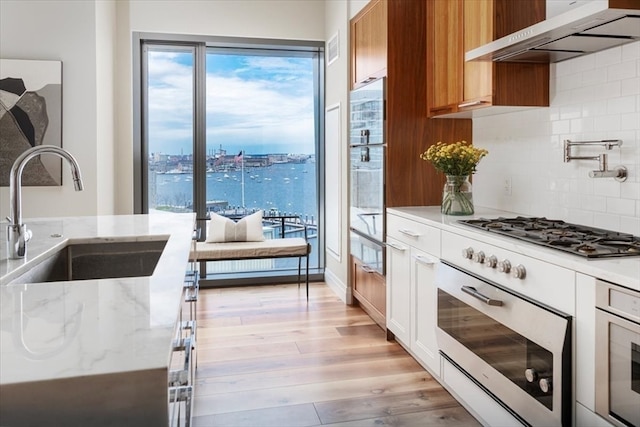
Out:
{"x": 514, "y": 348}
{"x": 367, "y": 191}
{"x": 371, "y": 253}
{"x": 617, "y": 354}
{"x": 367, "y": 114}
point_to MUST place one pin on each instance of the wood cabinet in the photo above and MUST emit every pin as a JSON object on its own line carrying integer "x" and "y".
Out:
{"x": 370, "y": 289}
{"x": 458, "y": 88}
{"x": 409, "y": 180}
{"x": 413, "y": 251}
{"x": 369, "y": 43}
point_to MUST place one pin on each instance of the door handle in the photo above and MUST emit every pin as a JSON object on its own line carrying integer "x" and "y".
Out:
{"x": 485, "y": 299}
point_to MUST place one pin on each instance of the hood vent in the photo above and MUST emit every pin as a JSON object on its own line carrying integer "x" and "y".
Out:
{"x": 589, "y": 28}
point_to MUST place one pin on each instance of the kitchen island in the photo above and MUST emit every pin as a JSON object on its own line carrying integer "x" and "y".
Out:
{"x": 91, "y": 352}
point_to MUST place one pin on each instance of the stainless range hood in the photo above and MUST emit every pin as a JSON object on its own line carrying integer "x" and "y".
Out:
{"x": 591, "y": 26}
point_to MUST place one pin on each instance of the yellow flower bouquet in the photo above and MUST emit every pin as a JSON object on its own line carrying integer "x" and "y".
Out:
{"x": 457, "y": 161}
{"x": 459, "y": 158}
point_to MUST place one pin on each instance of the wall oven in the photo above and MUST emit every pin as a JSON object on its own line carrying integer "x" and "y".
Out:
{"x": 618, "y": 354}
{"x": 514, "y": 348}
{"x": 367, "y": 170}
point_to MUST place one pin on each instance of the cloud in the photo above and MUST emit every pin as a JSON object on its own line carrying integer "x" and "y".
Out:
{"x": 265, "y": 102}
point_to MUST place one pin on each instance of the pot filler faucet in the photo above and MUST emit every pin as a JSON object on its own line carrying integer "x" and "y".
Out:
{"x": 17, "y": 233}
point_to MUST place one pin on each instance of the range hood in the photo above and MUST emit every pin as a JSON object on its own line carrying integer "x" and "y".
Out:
{"x": 590, "y": 26}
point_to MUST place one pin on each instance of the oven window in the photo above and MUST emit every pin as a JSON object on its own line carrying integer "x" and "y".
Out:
{"x": 505, "y": 350}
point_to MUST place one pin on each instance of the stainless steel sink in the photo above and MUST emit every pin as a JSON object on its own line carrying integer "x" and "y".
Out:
{"x": 98, "y": 260}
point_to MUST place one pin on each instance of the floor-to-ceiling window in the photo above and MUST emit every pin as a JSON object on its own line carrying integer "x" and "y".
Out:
{"x": 231, "y": 127}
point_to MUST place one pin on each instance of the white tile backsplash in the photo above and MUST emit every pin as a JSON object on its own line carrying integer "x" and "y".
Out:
{"x": 592, "y": 97}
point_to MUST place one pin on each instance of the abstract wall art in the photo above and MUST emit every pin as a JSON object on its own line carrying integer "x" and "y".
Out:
{"x": 30, "y": 115}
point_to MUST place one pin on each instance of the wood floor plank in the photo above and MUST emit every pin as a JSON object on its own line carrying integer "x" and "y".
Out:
{"x": 382, "y": 406}
{"x": 449, "y": 417}
{"x": 284, "y": 416}
{"x": 310, "y": 393}
{"x": 304, "y": 375}
{"x": 267, "y": 357}
{"x": 309, "y": 361}
{"x": 284, "y": 335}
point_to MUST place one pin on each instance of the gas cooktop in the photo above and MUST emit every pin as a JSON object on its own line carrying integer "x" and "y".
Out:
{"x": 588, "y": 242}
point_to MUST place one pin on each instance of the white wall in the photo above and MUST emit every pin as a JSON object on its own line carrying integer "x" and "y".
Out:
{"x": 592, "y": 97}
{"x": 336, "y": 91}
{"x": 64, "y": 31}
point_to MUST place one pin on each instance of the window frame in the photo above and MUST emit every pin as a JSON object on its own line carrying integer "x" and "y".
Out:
{"x": 201, "y": 45}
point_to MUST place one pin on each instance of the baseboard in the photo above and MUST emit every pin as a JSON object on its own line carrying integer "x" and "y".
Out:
{"x": 337, "y": 286}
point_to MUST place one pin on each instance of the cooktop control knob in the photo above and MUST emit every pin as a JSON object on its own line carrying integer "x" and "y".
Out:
{"x": 531, "y": 375}
{"x": 491, "y": 262}
{"x": 545, "y": 385}
{"x": 478, "y": 257}
{"x": 467, "y": 253}
{"x": 504, "y": 266}
{"x": 518, "y": 272}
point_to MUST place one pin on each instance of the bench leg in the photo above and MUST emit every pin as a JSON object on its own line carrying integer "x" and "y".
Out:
{"x": 299, "y": 264}
{"x": 307, "y": 277}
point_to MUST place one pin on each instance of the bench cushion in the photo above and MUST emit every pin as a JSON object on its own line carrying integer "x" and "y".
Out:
{"x": 270, "y": 248}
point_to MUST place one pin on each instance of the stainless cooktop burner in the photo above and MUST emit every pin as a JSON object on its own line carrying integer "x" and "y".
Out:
{"x": 589, "y": 242}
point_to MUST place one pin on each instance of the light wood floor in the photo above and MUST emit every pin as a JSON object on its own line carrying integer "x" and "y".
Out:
{"x": 267, "y": 358}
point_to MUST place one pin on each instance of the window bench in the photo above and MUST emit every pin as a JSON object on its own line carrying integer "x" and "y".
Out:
{"x": 286, "y": 247}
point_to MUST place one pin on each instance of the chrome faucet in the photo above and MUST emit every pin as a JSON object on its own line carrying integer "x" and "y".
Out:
{"x": 17, "y": 233}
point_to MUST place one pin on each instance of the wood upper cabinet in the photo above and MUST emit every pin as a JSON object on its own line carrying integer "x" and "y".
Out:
{"x": 369, "y": 43}
{"x": 455, "y": 86}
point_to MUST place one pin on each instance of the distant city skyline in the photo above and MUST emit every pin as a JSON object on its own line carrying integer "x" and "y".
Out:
{"x": 259, "y": 104}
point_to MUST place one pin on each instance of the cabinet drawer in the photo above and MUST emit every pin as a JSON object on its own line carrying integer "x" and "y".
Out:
{"x": 420, "y": 236}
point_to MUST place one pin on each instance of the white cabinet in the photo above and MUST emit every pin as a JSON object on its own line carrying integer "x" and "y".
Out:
{"x": 399, "y": 290}
{"x": 423, "y": 297}
{"x": 413, "y": 251}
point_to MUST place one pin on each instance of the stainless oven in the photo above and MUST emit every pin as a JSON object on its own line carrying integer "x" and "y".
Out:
{"x": 618, "y": 354}
{"x": 514, "y": 348}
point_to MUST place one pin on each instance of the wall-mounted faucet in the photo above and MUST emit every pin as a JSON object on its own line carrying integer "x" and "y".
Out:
{"x": 17, "y": 233}
{"x": 619, "y": 173}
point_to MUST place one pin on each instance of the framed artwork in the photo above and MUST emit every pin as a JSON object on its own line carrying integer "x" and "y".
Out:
{"x": 30, "y": 115}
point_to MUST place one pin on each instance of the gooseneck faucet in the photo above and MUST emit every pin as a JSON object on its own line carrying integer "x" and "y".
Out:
{"x": 17, "y": 233}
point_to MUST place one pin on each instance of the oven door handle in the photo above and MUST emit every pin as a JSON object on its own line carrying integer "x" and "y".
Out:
{"x": 485, "y": 299}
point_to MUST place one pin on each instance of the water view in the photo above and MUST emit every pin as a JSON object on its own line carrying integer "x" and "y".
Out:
{"x": 280, "y": 187}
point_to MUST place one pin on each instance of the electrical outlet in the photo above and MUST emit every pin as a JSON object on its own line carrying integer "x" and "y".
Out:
{"x": 506, "y": 186}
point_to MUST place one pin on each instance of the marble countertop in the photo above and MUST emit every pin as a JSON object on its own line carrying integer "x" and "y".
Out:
{"x": 623, "y": 271}
{"x": 91, "y": 327}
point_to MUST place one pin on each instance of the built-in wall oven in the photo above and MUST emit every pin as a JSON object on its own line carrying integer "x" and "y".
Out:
{"x": 514, "y": 348}
{"x": 367, "y": 174}
{"x": 618, "y": 354}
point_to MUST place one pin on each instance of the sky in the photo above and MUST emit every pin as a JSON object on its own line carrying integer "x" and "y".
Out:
{"x": 259, "y": 104}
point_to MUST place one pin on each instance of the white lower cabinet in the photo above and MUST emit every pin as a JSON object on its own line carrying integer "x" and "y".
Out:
{"x": 399, "y": 290}
{"x": 411, "y": 292}
{"x": 424, "y": 306}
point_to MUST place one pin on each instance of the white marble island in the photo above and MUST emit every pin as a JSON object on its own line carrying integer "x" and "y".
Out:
{"x": 90, "y": 352}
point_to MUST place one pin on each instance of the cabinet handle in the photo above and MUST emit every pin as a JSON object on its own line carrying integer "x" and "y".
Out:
{"x": 409, "y": 232}
{"x": 396, "y": 247}
{"x": 368, "y": 269}
{"x": 425, "y": 260}
{"x": 471, "y": 104}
